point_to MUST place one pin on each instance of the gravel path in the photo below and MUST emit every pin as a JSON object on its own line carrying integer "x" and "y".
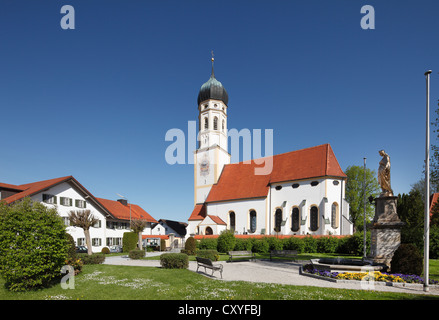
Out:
{"x": 270, "y": 272}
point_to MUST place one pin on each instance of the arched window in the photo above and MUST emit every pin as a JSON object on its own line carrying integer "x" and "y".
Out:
{"x": 224, "y": 125}
{"x": 232, "y": 221}
{"x": 314, "y": 218}
{"x": 278, "y": 220}
{"x": 252, "y": 221}
{"x": 208, "y": 231}
{"x": 334, "y": 215}
{"x": 206, "y": 123}
{"x": 215, "y": 123}
{"x": 295, "y": 220}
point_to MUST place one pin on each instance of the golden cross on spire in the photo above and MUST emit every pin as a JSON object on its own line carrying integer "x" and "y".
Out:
{"x": 213, "y": 74}
{"x": 212, "y": 56}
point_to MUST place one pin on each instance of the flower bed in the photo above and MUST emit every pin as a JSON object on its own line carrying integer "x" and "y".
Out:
{"x": 363, "y": 276}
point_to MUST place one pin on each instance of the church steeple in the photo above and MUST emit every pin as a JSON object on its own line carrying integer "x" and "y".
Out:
{"x": 212, "y": 153}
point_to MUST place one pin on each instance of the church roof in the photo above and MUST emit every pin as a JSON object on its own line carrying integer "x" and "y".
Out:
{"x": 238, "y": 181}
{"x": 199, "y": 212}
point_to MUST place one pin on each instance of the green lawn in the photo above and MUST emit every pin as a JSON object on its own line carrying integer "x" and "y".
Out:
{"x": 99, "y": 282}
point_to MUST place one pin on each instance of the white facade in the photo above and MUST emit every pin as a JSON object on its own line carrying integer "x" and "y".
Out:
{"x": 107, "y": 232}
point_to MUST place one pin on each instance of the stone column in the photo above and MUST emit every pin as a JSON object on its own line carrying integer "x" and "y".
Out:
{"x": 385, "y": 231}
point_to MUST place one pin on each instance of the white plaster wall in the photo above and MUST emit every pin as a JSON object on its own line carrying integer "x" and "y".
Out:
{"x": 242, "y": 210}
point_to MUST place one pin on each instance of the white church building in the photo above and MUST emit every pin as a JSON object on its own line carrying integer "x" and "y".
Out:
{"x": 304, "y": 193}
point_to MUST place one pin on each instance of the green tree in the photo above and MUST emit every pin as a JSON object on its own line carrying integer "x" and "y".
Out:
{"x": 355, "y": 194}
{"x": 410, "y": 208}
{"x": 33, "y": 245}
{"x": 434, "y": 164}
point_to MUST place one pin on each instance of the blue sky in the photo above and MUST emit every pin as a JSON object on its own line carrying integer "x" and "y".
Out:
{"x": 97, "y": 101}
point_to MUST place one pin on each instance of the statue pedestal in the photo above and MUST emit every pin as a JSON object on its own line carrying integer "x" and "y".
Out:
{"x": 385, "y": 231}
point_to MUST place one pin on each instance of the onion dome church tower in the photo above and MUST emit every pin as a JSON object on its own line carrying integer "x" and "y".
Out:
{"x": 212, "y": 153}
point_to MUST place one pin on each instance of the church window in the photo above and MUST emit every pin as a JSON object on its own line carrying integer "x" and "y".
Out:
{"x": 295, "y": 186}
{"x": 278, "y": 187}
{"x": 252, "y": 221}
{"x": 314, "y": 183}
{"x": 277, "y": 220}
{"x": 232, "y": 221}
{"x": 295, "y": 220}
{"x": 335, "y": 183}
{"x": 314, "y": 218}
{"x": 334, "y": 215}
{"x": 215, "y": 123}
{"x": 224, "y": 125}
{"x": 206, "y": 123}
{"x": 208, "y": 231}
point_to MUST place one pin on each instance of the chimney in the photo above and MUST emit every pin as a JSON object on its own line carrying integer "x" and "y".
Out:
{"x": 123, "y": 201}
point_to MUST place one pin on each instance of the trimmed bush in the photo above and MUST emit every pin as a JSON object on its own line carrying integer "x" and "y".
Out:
{"x": 407, "y": 260}
{"x": 174, "y": 261}
{"x": 95, "y": 258}
{"x": 190, "y": 247}
{"x": 136, "y": 254}
{"x": 71, "y": 247}
{"x": 274, "y": 243}
{"x": 129, "y": 241}
{"x": 226, "y": 241}
{"x": 33, "y": 245}
{"x": 105, "y": 250}
{"x": 209, "y": 254}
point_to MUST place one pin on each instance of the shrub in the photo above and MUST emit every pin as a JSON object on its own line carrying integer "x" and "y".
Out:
{"x": 208, "y": 244}
{"x": 105, "y": 250}
{"x": 294, "y": 243}
{"x": 327, "y": 244}
{"x": 274, "y": 243}
{"x": 209, "y": 254}
{"x": 434, "y": 242}
{"x": 129, "y": 241}
{"x": 174, "y": 261}
{"x": 33, "y": 245}
{"x": 71, "y": 247}
{"x": 76, "y": 263}
{"x": 310, "y": 244}
{"x": 190, "y": 247}
{"x": 226, "y": 241}
{"x": 243, "y": 244}
{"x": 407, "y": 260}
{"x": 95, "y": 258}
{"x": 261, "y": 246}
{"x": 136, "y": 254}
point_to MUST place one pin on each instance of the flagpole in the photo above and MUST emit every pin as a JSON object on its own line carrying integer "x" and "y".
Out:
{"x": 427, "y": 189}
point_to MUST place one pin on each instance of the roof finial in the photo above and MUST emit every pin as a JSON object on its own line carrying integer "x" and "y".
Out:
{"x": 213, "y": 74}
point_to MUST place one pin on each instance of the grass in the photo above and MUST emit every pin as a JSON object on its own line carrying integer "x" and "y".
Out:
{"x": 107, "y": 282}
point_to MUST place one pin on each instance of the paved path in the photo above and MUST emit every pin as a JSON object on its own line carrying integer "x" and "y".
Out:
{"x": 269, "y": 272}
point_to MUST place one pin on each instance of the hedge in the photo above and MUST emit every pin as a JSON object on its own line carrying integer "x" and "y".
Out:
{"x": 302, "y": 244}
{"x": 129, "y": 241}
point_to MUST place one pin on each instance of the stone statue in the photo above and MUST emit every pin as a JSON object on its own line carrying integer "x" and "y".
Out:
{"x": 384, "y": 175}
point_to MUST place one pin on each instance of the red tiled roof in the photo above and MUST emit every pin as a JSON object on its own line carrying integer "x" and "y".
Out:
{"x": 199, "y": 212}
{"x": 155, "y": 236}
{"x": 238, "y": 181}
{"x": 120, "y": 211}
{"x": 11, "y": 186}
{"x": 30, "y": 189}
{"x": 217, "y": 219}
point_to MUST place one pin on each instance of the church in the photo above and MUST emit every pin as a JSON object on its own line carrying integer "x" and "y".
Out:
{"x": 303, "y": 194}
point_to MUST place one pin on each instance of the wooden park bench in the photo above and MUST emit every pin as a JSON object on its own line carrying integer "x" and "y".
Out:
{"x": 283, "y": 253}
{"x": 207, "y": 264}
{"x": 241, "y": 254}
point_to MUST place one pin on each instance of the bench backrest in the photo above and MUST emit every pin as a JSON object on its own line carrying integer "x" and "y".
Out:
{"x": 240, "y": 253}
{"x": 283, "y": 251}
{"x": 204, "y": 261}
